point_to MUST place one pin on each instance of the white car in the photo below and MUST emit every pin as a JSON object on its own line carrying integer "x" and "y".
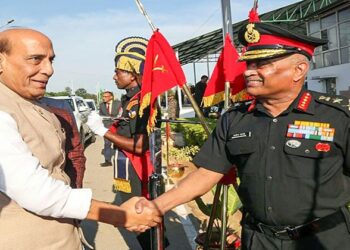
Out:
{"x": 92, "y": 105}
{"x": 81, "y": 111}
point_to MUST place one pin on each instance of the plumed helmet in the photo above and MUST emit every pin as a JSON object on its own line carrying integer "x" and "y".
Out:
{"x": 130, "y": 54}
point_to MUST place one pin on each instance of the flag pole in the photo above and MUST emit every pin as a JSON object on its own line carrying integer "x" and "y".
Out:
{"x": 226, "y": 28}
{"x": 185, "y": 88}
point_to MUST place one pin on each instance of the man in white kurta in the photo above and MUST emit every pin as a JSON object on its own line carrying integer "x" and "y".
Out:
{"x": 37, "y": 206}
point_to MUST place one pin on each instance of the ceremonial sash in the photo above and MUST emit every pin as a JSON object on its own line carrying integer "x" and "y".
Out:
{"x": 121, "y": 172}
{"x": 142, "y": 165}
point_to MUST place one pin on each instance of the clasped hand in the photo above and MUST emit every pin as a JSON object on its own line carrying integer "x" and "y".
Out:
{"x": 141, "y": 214}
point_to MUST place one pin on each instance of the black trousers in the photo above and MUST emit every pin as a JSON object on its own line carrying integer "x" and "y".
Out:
{"x": 337, "y": 238}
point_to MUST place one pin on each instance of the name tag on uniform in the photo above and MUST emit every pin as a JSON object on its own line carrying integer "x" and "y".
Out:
{"x": 241, "y": 135}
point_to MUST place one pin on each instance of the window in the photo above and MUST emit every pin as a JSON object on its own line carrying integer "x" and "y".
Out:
{"x": 331, "y": 58}
{"x": 344, "y": 15}
{"x": 328, "y": 21}
{"x": 314, "y": 26}
{"x": 317, "y": 61}
{"x": 80, "y": 104}
{"x": 332, "y": 38}
{"x": 336, "y": 29}
{"x": 344, "y": 34}
{"x": 91, "y": 104}
{"x": 70, "y": 101}
{"x": 319, "y": 48}
{"x": 345, "y": 55}
{"x": 330, "y": 86}
{"x": 331, "y": 35}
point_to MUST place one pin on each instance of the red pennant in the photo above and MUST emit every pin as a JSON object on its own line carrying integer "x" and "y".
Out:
{"x": 253, "y": 14}
{"x": 227, "y": 69}
{"x": 162, "y": 72}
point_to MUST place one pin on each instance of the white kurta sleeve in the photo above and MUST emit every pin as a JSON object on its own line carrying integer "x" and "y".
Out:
{"x": 25, "y": 181}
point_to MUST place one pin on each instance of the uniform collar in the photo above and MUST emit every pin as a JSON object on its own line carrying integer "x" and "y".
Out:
{"x": 132, "y": 91}
{"x": 303, "y": 103}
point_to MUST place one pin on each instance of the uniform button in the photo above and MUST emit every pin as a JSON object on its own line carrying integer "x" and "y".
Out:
{"x": 274, "y": 120}
{"x": 269, "y": 178}
{"x": 269, "y": 209}
{"x": 272, "y": 147}
{"x": 307, "y": 151}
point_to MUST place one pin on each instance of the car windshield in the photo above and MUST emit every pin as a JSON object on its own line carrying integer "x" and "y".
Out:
{"x": 70, "y": 101}
{"x": 91, "y": 105}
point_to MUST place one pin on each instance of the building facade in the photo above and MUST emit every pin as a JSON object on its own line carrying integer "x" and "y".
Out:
{"x": 331, "y": 63}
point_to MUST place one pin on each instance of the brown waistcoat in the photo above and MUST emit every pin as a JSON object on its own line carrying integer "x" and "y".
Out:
{"x": 41, "y": 131}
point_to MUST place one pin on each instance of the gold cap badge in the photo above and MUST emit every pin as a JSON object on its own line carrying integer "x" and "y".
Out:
{"x": 251, "y": 35}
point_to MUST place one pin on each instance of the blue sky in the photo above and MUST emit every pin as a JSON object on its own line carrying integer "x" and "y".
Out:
{"x": 85, "y": 32}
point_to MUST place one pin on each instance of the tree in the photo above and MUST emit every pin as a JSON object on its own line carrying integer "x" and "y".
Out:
{"x": 68, "y": 90}
{"x": 81, "y": 92}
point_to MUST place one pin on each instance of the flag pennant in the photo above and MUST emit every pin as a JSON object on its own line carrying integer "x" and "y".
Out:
{"x": 253, "y": 13}
{"x": 162, "y": 72}
{"x": 227, "y": 69}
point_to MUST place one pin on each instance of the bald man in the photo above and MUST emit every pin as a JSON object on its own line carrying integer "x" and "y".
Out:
{"x": 37, "y": 205}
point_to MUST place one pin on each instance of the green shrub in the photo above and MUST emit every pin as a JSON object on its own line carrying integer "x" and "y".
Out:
{"x": 194, "y": 134}
{"x": 183, "y": 154}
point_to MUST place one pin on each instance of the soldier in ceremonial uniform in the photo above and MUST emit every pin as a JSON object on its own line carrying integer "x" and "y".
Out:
{"x": 291, "y": 147}
{"x": 132, "y": 165}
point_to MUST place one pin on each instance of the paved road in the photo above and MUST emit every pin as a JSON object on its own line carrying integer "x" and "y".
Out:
{"x": 180, "y": 223}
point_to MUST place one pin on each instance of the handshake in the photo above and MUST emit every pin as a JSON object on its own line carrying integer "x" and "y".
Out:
{"x": 140, "y": 214}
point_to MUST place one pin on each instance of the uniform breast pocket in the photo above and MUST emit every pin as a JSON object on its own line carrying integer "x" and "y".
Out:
{"x": 241, "y": 149}
{"x": 308, "y": 158}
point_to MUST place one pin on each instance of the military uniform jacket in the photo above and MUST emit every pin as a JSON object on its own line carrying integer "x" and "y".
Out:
{"x": 130, "y": 125}
{"x": 292, "y": 167}
{"x": 133, "y": 124}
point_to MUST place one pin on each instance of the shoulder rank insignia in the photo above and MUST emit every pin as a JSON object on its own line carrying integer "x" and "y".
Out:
{"x": 339, "y": 102}
{"x": 304, "y": 101}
